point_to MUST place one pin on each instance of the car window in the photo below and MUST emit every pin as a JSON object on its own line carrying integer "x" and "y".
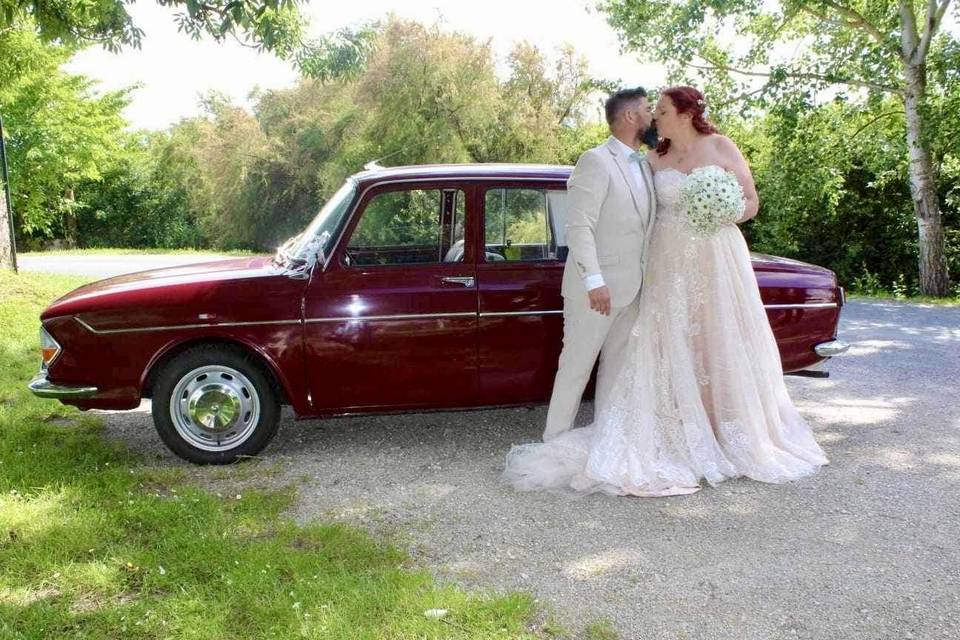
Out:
{"x": 411, "y": 226}
{"x": 524, "y": 224}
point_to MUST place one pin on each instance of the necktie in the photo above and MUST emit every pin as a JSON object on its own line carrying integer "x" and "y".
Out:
{"x": 636, "y": 156}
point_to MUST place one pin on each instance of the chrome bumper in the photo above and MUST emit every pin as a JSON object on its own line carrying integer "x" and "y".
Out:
{"x": 43, "y": 388}
{"x": 831, "y": 348}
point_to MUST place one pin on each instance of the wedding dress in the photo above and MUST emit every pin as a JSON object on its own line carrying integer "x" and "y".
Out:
{"x": 701, "y": 395}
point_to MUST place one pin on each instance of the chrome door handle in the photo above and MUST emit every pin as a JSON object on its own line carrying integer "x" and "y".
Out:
{"x": 465, "y": 281}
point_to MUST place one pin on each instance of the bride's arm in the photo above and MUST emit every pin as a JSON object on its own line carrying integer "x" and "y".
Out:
{"x": 734, "y": 161}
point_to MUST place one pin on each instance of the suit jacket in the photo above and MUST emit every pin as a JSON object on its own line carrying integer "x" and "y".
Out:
{"x": 609, "y": 218}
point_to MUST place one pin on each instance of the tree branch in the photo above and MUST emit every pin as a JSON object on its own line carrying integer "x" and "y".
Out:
{"x": 802, "y": 76}
{"x": 740, "y": 98}
{"x": 864, "y": 127}
{"x": 856, "y": 19}
{"x": 240, "y": 42}
{"x": 935, "y": 15}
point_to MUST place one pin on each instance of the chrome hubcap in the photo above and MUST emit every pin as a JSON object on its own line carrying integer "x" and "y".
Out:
{"x": 215, "y": 408}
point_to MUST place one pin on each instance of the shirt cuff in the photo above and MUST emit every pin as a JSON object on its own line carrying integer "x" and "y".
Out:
{"x": 594, "y": 281}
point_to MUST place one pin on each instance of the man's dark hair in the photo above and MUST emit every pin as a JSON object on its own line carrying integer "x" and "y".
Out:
{"x": 618, "y": 101}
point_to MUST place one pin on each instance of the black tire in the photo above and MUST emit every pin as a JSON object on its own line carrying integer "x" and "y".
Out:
{"x": 204, "y": 378}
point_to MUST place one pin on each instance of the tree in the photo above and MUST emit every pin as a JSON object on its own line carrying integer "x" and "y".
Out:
{"x": 271, "y": 25}
{"x": 266, "y": 25}
{"x": 140, "y": 200}
{"x": 59, "y": 134}
{"x": 543, "y": 105}
{"x": 834, "y": 194}
{"x": 8, "y": 256}
{"x": 875, "y": 48}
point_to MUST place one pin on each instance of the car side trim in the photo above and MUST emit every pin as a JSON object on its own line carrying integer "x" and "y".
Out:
{"x": 411, "y": 316}
{"x": 507, "y": 314}
{"x": 181, "y": 326}
{"x": 414, "y": 316}
{"x": 803, "y": 305}
{"x": 807, "y": 305}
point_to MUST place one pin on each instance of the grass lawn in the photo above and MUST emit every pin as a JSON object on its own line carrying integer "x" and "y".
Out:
{"x": 944, "y": 302}
{"x": 96, "y": 544}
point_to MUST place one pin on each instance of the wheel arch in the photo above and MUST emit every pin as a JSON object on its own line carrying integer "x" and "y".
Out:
{"x": 257, "y": 355}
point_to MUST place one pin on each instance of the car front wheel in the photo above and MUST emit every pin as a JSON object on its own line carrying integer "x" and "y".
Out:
{"x": 214, "y": 405}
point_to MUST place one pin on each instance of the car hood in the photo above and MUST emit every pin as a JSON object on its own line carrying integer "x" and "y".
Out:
{"x": 787, "y": 281}
{"x": 195, "y": 285}
{"x": 765, "y": 262}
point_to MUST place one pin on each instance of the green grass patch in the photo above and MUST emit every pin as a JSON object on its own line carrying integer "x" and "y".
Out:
{"x": 889, "y": 297}
{"x": 96, "y": 544}
{"x": 601, "y": 630}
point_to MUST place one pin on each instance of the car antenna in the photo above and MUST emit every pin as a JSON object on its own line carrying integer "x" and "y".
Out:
{"x": 374, "y": 165}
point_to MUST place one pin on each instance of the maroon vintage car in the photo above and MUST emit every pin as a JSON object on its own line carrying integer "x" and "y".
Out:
{"x": 414, "y": 288}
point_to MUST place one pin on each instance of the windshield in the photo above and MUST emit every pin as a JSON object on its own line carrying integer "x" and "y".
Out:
{"x": 318, "y": 238}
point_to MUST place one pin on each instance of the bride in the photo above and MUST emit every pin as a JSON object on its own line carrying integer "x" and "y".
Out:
{"x": 701, "y": 394}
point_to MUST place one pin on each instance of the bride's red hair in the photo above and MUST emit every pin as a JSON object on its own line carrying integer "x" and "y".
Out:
{"x": 687, "y": 100}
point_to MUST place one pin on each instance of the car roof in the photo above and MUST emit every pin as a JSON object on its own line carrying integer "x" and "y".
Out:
{"x": 468, "y": 171}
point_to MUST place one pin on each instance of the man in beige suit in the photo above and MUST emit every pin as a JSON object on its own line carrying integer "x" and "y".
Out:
{"x": 611, "y": 205}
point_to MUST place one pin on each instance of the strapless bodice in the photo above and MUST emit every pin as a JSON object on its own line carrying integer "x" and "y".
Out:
{"x": 669, "y": 207}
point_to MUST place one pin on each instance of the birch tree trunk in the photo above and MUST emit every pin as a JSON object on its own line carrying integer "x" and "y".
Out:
{"x": 934, "y": 277}
{"x": 70, "y": 220}
{"x": 8, "y": 253}
{"x": 7, "y": 260}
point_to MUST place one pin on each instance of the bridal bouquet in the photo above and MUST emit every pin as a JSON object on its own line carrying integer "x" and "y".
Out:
{"x": 713, "y": 198}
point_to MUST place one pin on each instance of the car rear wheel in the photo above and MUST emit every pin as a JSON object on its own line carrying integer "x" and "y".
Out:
{"x": 215, "y": 405}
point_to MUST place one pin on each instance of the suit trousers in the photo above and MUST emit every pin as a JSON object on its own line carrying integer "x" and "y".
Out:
{"x": 586, "y": 334}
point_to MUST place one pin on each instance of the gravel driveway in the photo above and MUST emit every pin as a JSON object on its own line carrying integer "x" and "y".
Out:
{"x": 865, "y": 549}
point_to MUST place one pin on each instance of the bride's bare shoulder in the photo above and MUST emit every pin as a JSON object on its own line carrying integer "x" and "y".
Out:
{"x": 721, "y": 142}
{"x": 725, "y": 150}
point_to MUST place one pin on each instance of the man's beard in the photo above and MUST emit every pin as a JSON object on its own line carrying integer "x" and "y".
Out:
{"x": 649, "y": 137}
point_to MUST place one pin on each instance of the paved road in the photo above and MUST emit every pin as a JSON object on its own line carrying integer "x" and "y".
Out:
{"x": 866, "y": 549}
{"x": 105, "y": 266}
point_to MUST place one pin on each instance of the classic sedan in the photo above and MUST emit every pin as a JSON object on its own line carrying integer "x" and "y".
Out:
{"x": 414, "y": 288}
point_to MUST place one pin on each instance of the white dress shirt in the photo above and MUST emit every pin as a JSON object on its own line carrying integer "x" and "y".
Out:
{"x": 595, "y": 281}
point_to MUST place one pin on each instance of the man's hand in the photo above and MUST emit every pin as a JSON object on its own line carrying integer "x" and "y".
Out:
{"x": 600, "y": 300}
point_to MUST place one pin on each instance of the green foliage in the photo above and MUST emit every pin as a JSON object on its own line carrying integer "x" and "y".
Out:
{"x": 419, "y": 95}
{"x": 138, "y": 202}
{"x": 229, "y": 179}
{"x": 271, "y": 25}
{"x": 342, "y": 54}
{"x": 869, "y": 53}
{"x": 853, "y": 43}
{"x": 266, "y": 25}
{"x": 97, "y": 544}
{"x": 59, "y": 133}
{"x": 832, "y": 176}
{"x": 426, "y": 96}
{"x": 515, "y": 216}
{"x": 834, "y": 189}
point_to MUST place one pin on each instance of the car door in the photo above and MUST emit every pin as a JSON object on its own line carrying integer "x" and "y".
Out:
{"x": 519, "y": 272}
{"x": 392, "y": 321}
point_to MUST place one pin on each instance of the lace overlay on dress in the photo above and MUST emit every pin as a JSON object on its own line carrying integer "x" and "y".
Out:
{"x": 701, "y": 394}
